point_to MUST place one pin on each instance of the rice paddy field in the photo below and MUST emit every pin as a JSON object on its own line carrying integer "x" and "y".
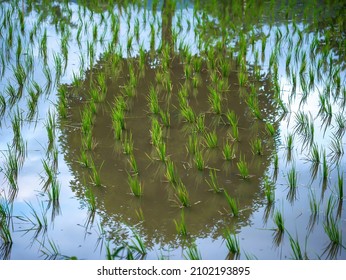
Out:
{"x": 172, "y": 129}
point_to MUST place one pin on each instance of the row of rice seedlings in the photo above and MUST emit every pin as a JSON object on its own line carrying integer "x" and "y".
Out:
{"x": 180, "y": 226}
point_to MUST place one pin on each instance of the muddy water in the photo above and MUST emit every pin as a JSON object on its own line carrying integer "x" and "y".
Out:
{"x": 209, "y": 214}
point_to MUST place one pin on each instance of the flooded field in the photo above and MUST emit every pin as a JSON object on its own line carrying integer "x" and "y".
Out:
{"x": 172, "y": 130}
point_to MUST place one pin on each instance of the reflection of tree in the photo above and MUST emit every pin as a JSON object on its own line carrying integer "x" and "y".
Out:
{"x": 115, "y": 206}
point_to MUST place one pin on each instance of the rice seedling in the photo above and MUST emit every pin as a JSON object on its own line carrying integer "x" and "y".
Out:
{"x": 198, "y": 159}
{"x": 51, "y": 253}
{"x": 289, "y": 141}
{"x": 50, "y": 128}
{"x": 133, "y": 164}
{"x": 340, "y": 185}
{"x": 292, "y": 178}
{"x": 336, "y": 149}
{"x": 279, "y": 221}
{"x": 180, "y": 226}
{"x": 228, "y": 151}
{"x": 188, "y": 114}
{"x": 232, "y": 118}
{"x": 210, "y": 139}
{"x": 182, "y": 194}
{"x": 49, "y": 175}
{"x": 314, "y": 204}
{"x": 140, "y": 214}
{"x": 155, "y": 132}
{"x": 269, "y": 190}
{"x": 88, "y": 142}
{"x": 215, "y": 100}
{"x": 256, "y": 146}
{"x": 161, "y": 151}
{"x": 171, "y": 173}
{"x": 192, "y": 143}
{"x": 153, "y": 101}
{"x": 165, "y": 118}
{"x": 232, "y": 242}
{"x": 314, "y": 154}
{"x": 135, "y": 185}
{"x": 20, "y": 74}
{"x": 213, "y": 182}
{"x": 232, "y": 203}
{"x": 54, "y": 193}
{"x": 332, "y": 229}
{"x": 5, "y": 219}
{"x": 200, "y": 126}
{"x": 38, "y": 220}
{"x": 325, "y": 167}
{"x": 192, "y": 253}
{"x": 84, "y": 159}
{"x": 270, "y": 129}
{"x": 11, "y": 170}
{"x": 138, "y": 245}
{"x": 127, "y": 143}
{"x": 295, "y": 246}
{"x": 2, "y": 106}
{"x": 243, "y": 168}
{"x": 95, "y": 174}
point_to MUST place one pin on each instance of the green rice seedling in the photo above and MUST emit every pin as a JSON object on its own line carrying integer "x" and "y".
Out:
{"x": 332, "y": 229}
{"x": 51, "y": 253}
{"x": 32, "y": 104}
{"x": 2, "y": 106}
{"x": 133, "y": 164}
{"x": 270, "y": 129}
{"x": 269, "y": 190}
{"x": 20, "y": 74}
{"x": 180, "y": 226}
{"x": 215, "y": 100}
{"x": 232, "y": 118}
{"x": 213, "y": 183}
{"x": 171, "y": 173}
{"x": 11, "y": 170}
{"x": 256, "y": 146}
{"x": 336, "y": 149}
{"x": 314, "y": 204}
{"x": 95, "y": 174}
{"x": 232, "y": 203}
{"x": 84, "y": 159}
{"x": 198, "y": 159}
{"x": 153, "y": 100}
{"x": 297, "y": 252}
{"x": 54, "y": 192}
{"x": 200, "y": 126}
{"x": 137, "y": 245}
{"x": 135, "y": 185}
{"x": 340, "y": 185}
{"x": 331, "y": 203}
{"x": 292, "y": 178}
{"x": 210, "y": 139}
{"x": 289, "y": 142}
{"x": 340, "y": 120}
{"x": 314, "y": 154}
{"x": 228, "y": 151}
{"x": 243, "y": 168}
{"x": 118, "y": 131}
{"x": 192, "y": 253}
{"x": 279, "y": 221}
{"x": 140, "y": 214}
{"x": 50, "y": 128}
{"x": 161, "y": 151}
{"x": 325, "y": 167}
{"x": 49, "y": 175}
{"x": 232, "y": 242}
{"x": 128, "y": 144}
{"x": 192, "y": 143}
{"x": 182, "y": 194}
{"x": 90, "y": 197}
{"x": 165, "y": 118}
{"x": 5, "y": 219}
{"x": 88, "y": 142}
{"x": 188, "y": 114}
{"x": 155, "y": 132}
